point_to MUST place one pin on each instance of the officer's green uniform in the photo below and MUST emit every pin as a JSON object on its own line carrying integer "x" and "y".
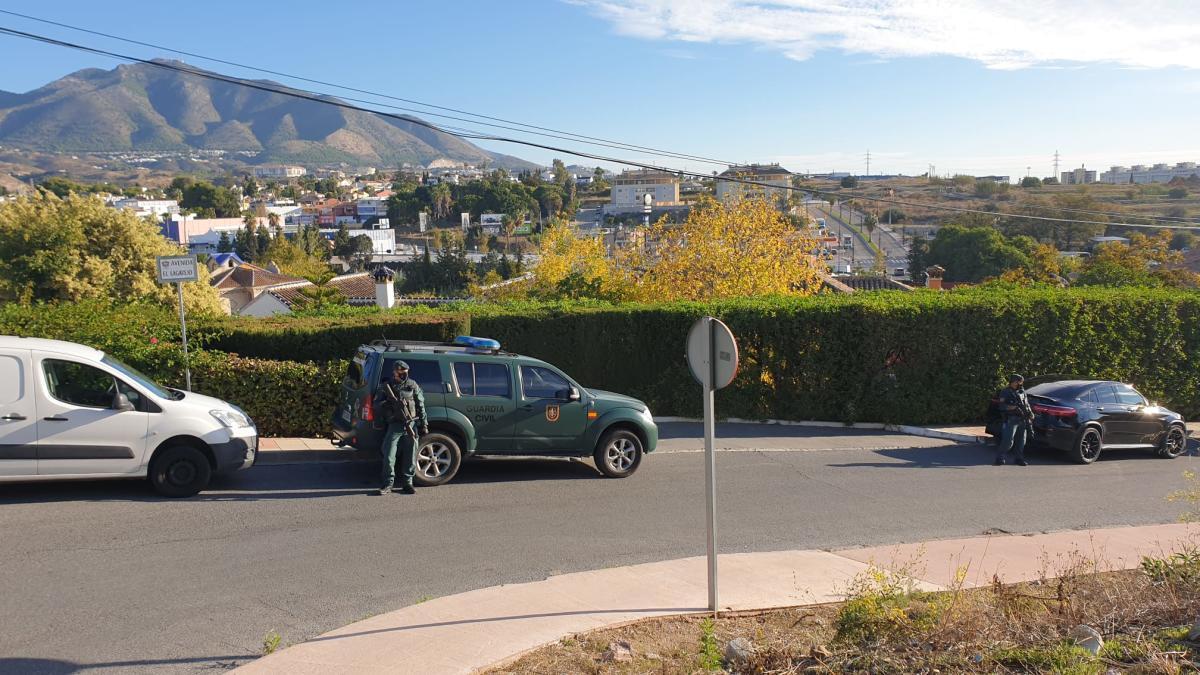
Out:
{"x": 406, "y": 420}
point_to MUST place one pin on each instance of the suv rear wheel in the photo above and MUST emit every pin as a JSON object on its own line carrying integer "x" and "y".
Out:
{"x": 438, "y": 458}
{"x": 1087, "y": 446}
{"x": 180, "y": 471}
{"x": 619, "y": 453}
{"x": 1174, "y": 444}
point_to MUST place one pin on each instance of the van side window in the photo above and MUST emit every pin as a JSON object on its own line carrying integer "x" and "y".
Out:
{"x": 79, "y": 384}
{"x": 12, "y": 379}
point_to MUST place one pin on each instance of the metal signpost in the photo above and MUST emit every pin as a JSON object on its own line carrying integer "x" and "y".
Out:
{"x": 177, "y": 269}
{"x": 713, "y": 358}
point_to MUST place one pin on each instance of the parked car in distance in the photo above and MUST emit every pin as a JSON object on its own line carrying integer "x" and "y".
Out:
{"x": 483, "y": 401}
{"x": 68, "y": 411}
{"x": 1085, "y": 417}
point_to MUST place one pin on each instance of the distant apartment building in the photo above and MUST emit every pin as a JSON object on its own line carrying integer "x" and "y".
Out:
{"x": 278, "y": 172}
{"x": 202, "y": 235}
{"x": 1080, "y": 176}
{"x": 629, "y": 189}
{"x": 148, "y": 207}
{"x": 1140, "y": 173}
{"x": 371, "y": 207}
{"x": 767, "y": 180}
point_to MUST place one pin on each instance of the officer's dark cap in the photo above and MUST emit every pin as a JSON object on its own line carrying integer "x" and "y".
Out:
{"x": 1015, "y": 378}
{"x": 399, "y": 365}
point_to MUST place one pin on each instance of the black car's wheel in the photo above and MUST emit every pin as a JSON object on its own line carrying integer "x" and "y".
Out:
{"x": 1087, "y": 446}
{"x": 1174, "y": 443}
{"x": 438, "y": 458}
{"x": 180, "y": 471}
{"x": 618, "y": 454}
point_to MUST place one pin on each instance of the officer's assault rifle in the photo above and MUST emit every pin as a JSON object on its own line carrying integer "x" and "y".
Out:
{"x": 1023, "y": 407}
{"x": 394, "y": 400}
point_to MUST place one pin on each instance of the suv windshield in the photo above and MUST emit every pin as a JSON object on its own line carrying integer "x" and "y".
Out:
{"x": 133, "y": 374}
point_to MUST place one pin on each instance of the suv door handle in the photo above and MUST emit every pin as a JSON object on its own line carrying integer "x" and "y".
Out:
{"x": 527, "y": 407}
{"x": 13, "y": 416}
{"x": 55, "y": 419}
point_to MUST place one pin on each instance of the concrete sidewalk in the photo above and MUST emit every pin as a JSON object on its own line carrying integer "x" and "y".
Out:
{"x": 470, "y": 631}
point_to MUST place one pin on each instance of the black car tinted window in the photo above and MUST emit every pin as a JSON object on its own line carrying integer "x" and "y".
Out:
{"x": 1105, "y": 394}
{"x": 1128, "y": 396}
{"x": 541, "y": 382}
{"x": 1088, "y": 396}
{"x": 491, "y": 379}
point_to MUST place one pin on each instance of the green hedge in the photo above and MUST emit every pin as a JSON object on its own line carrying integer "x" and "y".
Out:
{"x": 324, "y": 339}
{"x": 917, "y": 358}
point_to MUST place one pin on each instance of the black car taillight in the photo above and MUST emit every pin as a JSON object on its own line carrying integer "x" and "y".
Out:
{"x": 1054, "y": 410}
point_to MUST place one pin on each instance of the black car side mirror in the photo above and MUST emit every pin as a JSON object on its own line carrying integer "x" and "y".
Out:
{"x": 121, "y": 403}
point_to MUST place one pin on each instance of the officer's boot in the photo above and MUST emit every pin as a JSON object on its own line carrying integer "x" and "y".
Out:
{"x": 408, "y": 488}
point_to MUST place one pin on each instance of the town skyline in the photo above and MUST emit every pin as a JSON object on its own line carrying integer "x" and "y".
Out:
{"x": 814, "y": 101}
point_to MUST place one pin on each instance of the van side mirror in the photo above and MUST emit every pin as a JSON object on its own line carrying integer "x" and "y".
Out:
{"x": 121, "y": 403}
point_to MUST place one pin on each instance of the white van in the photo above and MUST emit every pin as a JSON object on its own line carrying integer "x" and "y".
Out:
{"x": 71, "y": 412}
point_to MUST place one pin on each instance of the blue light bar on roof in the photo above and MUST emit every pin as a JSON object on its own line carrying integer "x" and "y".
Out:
{"x": 476, "y": 342}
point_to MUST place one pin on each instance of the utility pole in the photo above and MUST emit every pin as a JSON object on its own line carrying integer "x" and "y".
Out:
{"x": 1055, "y": 175}
{"x": 868, "y": 163}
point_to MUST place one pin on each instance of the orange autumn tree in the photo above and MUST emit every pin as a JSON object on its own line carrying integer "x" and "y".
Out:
{"x": 746, "y": 248}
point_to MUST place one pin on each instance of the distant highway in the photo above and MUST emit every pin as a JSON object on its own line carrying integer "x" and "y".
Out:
{"x": 894, "y": 251}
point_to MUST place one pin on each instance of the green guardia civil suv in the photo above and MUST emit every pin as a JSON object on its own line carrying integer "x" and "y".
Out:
{"x": 483, "y": 401}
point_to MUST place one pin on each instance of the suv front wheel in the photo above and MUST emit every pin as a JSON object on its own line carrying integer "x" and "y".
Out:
{"x": 438, "y": 458}
{"x": 619, "y": 453}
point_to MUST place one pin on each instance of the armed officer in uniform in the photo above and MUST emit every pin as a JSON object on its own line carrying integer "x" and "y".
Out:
{"x": 403, "y": 405}
{"x": 1017, "y": 418}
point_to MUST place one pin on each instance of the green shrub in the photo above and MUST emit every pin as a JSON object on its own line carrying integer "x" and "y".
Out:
{"x": 916, "y": 358}
{"x": 309, "y": 338}
{"x": 1062, "y": 659}
{"x": 284, "y": 398}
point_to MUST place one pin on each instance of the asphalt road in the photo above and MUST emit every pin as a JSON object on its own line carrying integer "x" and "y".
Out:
{"x": 893, "y": 249}
{"x": 107, "y": 576}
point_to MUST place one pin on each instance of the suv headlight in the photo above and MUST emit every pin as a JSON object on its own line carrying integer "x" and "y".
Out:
{"x": 231, "y": 418}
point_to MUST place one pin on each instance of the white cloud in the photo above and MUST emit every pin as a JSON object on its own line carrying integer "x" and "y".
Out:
{"x": 1001, "y": 34}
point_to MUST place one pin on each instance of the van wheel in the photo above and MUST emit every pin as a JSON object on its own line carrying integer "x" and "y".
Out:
{"x": 619, "y": 453}
{"x": 437, "y": 461}
{"x": 1174, "y": 444}
{"x": 1087, "y": 446}
{"x": 180, "y": 471}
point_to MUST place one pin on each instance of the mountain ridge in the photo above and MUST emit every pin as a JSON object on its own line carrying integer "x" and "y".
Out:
{"x": 141, "y": 107}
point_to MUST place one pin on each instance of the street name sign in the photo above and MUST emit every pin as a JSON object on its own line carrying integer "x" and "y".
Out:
{"x": 175, "y": 268}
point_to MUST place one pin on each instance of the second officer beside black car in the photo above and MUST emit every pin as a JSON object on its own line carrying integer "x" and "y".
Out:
{"x": 1017, "y": 419}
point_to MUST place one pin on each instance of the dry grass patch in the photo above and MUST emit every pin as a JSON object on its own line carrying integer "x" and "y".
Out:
{"x": 887, "y": 625}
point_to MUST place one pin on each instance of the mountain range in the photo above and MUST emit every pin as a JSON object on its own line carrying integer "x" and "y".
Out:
{"x": 142, "y": 107}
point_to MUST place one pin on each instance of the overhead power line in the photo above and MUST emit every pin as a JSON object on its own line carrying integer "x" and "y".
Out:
{"x": 329, "y": 100}
{"x": 532, "y": 129}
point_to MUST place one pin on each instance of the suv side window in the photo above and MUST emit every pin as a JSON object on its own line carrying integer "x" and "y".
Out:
{"x": 1105, "y": 394}
{"x": 491, "y": 379}
{"x": 537, "y": 382}
{"x": 1127, "y": 396}
{"x": 78, "y": 384}
{"x": 483, "y": 379}
{"x": 428, "y": 374}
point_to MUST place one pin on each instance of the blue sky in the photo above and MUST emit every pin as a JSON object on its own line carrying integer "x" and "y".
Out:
{"x": 983, "y": 87}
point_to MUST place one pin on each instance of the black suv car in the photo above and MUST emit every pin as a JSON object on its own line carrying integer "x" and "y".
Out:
{"x": 1084, "y": 417}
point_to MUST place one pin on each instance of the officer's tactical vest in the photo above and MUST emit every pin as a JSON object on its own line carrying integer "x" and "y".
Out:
{"x": 404, "y": 408}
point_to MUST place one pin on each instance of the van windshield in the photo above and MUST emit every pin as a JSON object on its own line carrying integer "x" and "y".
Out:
{"x": 133, "y": 374}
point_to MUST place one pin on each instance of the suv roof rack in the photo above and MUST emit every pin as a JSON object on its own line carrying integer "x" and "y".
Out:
{"x": 435, "y": 347}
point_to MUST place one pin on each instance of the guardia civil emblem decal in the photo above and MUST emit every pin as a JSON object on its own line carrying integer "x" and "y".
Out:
{"x": 551, "y": 413}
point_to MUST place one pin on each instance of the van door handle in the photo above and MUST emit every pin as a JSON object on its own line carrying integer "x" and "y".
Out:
{"x": 56, "y": 419}
{"x": 14, "y": 417}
